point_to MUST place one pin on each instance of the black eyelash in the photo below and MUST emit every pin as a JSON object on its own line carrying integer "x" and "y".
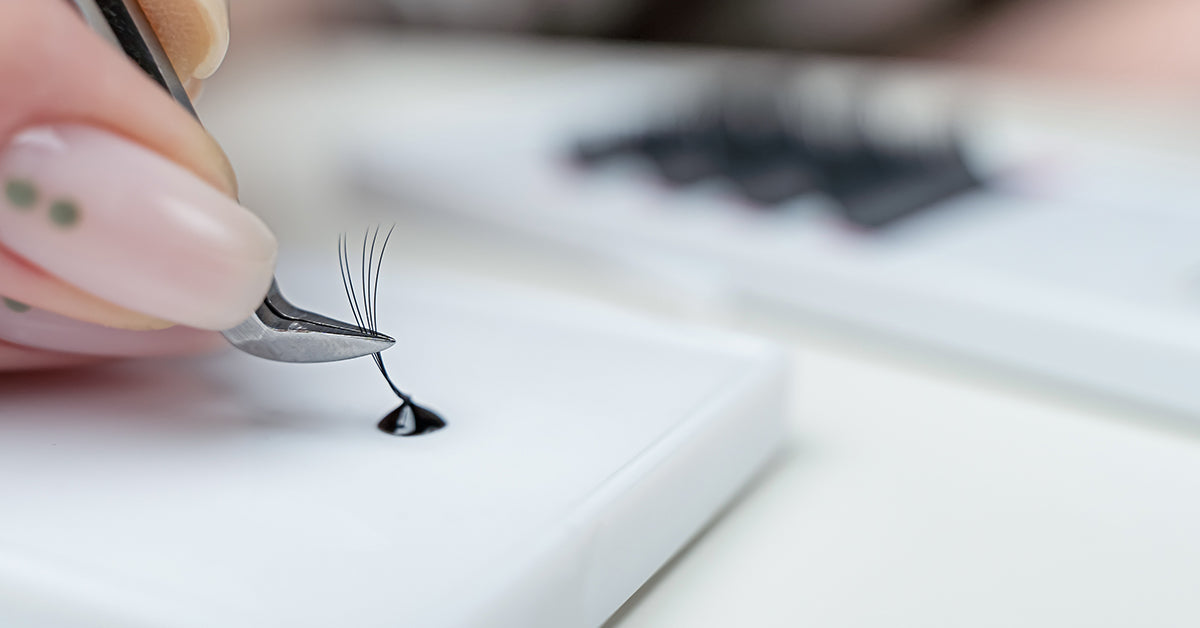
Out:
{"x": 408, "y": 419}
{"x": 365, "y": 310}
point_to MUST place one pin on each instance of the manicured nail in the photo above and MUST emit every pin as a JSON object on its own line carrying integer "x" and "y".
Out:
{"x": 15, "y": 305}
{"x": 31, "y": 327}
{"x": 195, "y": 34}
{"x": 21, "y": 194}
{"x": 122, "y": 223}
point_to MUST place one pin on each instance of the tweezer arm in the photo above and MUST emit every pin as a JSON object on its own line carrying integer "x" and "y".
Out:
{"x": 122, "y": 23}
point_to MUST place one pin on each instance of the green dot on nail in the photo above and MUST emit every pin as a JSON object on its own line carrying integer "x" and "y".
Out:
{"x": 64, "y": 213}
{"x": 15, "y": 306}
{"x": 21, "y": 193}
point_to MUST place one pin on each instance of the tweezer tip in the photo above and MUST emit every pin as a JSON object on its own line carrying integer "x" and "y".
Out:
{"x": 386, "y": 342}
{"x": 363, "y": 342}
{"x": 280, "y": 331}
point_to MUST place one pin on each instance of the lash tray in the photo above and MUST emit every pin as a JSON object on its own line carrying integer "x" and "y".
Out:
{"x": 584, "y": 447}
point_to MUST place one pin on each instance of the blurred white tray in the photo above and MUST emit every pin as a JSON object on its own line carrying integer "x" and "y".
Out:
{"x": 585, "y": 447}
{"x": 1077, "y": 263}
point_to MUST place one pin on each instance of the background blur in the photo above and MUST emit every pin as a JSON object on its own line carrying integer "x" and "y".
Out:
{"x": 1150, "y": 42}
{"x": 970, "y": 222}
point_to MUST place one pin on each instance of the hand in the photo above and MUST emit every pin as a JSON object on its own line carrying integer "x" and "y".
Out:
{"x": 119, "y": 232}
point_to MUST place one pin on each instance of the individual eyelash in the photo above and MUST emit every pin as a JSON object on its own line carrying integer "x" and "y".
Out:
{"x": 409, "y": 419}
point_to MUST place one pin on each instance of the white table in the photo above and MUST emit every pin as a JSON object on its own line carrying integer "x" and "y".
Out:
{"x": 917, "y": 491}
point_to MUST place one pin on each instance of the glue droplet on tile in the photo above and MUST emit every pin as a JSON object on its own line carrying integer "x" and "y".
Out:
{"x": 411, "y": 419}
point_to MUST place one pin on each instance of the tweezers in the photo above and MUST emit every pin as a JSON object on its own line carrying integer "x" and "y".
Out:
{"x": 277, "y": 330}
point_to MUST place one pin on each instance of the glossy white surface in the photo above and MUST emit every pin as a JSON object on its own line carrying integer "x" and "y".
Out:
{"x": 584, "y": 447}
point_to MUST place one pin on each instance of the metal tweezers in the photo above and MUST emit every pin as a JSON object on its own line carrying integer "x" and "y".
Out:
{"x": 277, "y": 330}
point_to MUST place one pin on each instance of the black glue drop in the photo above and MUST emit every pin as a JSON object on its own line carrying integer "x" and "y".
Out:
{"x": 411, "y": 419}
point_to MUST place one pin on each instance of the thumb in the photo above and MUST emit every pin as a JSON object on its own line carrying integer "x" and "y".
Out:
{"x": 109, "y": 187}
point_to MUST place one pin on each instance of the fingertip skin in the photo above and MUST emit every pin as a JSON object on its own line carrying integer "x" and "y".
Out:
{"x": 21, "y": 280}
{"x": 18, "y": 358}
{"x": 38, "y": 329}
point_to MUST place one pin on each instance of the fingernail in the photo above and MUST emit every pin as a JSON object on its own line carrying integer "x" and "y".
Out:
{"x": 130, "y": 227}
{"x": 24, "y": 325}
{"x": 195, "y": 34}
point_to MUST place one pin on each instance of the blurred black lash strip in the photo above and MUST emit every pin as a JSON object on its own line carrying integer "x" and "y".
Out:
{"x": 872, "y": 185}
